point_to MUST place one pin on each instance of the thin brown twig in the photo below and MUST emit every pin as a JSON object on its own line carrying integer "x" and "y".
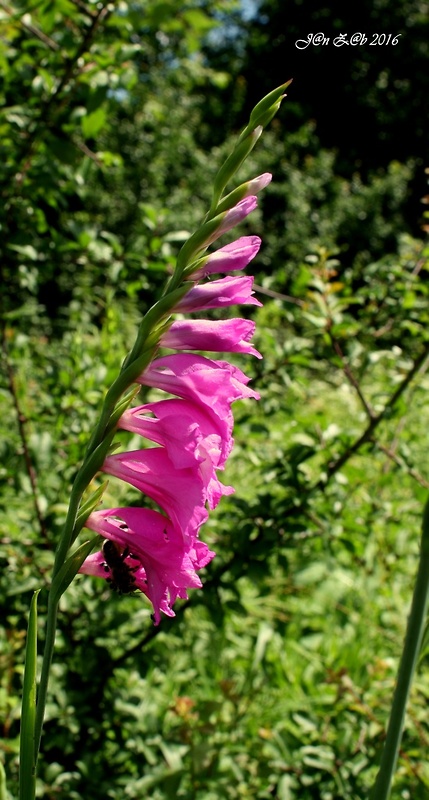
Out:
{"x": 69, "y": 71}
{"x": 398, "y": 430}
{"x": 39, "y": 34}
{"x": 366, "y": 436}
{"x": 84, "y": 8}
{"x": 22, "y": 420}
{"x": 402, "y": 463}
{"x": 287, "y": 298}
{"x": 87, "y": 152}
{"x": 85, "y": 44}
{"x": 351, "y": 378}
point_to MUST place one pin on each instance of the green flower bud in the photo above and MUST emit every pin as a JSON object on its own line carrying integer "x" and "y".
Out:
{"x": 265, "y": 110}
{"x": 232, "y": 164}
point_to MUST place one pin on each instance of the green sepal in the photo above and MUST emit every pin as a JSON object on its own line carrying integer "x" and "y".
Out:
{"x": 94, "y": 463}
{"x": 70, "y": 568}
{"x": 260, "y": 117}
{"x": 199, "y": 241}
{"x": 232, "y": 164}
{"x": 148, "y": 336}
{"x": 165, "y": 305}
{"x": 88, "y": 507}
{"x": 265, "y": 118}
{"x": 230, "y": 200}
{"x": 122, "y": 406}
{"x": 27, "y": 759}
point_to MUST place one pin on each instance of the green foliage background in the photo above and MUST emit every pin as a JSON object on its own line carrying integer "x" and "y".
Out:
{"x": 275, "y": 680}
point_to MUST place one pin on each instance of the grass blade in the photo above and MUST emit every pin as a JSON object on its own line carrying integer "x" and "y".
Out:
{"x": 27, "y": 768}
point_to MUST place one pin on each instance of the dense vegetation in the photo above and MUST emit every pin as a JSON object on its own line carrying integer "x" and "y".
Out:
{"x": 275, "y": 680}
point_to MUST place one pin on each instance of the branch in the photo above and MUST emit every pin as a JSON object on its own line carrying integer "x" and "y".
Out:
{"x": 351, "y": 378}
{"x": 24, "y": 160}
{"x": 403, "y": 464}
{"x": 366, "y": 436}
{"x": 21, "y": 419}
{"x": 31, "y": 28}
{"x": 278, "y": 295}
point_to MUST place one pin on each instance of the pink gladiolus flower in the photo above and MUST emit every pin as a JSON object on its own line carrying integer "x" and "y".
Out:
{"x": 215, "y": 489}
{"x": 214, "y": 384}
{"x": 235, "y": 215}
{"x": 231, "y": 258}
{"x": 255, "y": 185}
{"x": 217, "y": 294}
{"x": 155, "y": 558}
{"x": 169, "y": 423}
{"x": 187, "y": 431}
{"x": 181, "y": 493}
{"x": 160, "y": 553}
{"x": 222, "y": 336}
{"x": 209, "y": 388}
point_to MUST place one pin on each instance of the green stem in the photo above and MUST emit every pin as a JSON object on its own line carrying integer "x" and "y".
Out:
{"x": 51, "y": 626}
{"x": 139, "y": 357}
{"x": 412, "y": 645}
{"x": 3, "y": 788}
{"x": 27, "y": 764}
{"x": 96, "y": 453}
{"x": 59, "y": 584}
{"x": 85, "y": 474}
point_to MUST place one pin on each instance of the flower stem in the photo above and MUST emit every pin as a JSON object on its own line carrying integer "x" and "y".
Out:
{"x": 96, "y": 453}
{"x": 27, "y": 763}
{"x": 51, "y": 626}
{"x": 410, "y": 653}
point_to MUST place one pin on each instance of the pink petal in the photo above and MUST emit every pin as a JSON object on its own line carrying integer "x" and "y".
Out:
{"x": 215, "y": 489}
{"x": 180, "y": 492}
{"x": 94, "y": 565}
{"x": 222, "y": 336}
{"x": 236, "y": 214}
{"x": 255, "y": 185}
{"x": 174, "y": 428}
{"x": 212, "y": 384}
{"x": 231, "y": 258}
{"x": 167, "y": 567}
{"x": 187, "y": 431}
{"x": 218, "y": 294}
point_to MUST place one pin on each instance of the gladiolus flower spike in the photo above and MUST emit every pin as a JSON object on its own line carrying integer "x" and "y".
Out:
{"x": 159, "y": 552}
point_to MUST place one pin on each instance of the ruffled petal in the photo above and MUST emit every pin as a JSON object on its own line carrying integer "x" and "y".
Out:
{"x": 160, "y": 564}
{"x": 181, "y": 493}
